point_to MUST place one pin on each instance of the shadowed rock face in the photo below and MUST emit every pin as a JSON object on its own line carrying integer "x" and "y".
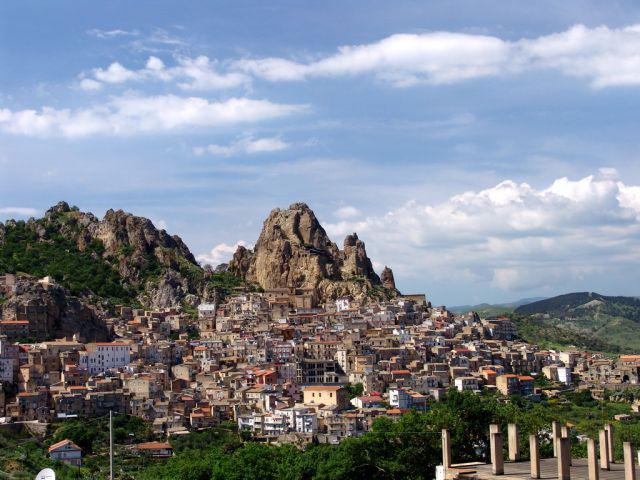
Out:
{"x": 54, "y": 313}
{"x": 293, "y": 250}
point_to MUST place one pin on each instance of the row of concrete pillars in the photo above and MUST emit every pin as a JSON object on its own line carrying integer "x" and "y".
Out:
{"x": 561, "y": 450}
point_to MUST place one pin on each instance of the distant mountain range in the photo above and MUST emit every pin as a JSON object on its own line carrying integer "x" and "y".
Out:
{"x": 586, "y": 320}
{"x": 494, "y": 308}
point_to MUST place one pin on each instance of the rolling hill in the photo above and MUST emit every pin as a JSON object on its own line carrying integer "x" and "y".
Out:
{"x": 586, "y": 320}
{"x": 492, "y": 309}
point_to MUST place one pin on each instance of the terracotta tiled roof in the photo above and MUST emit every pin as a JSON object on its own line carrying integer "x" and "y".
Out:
{"x": 63, "y": 443}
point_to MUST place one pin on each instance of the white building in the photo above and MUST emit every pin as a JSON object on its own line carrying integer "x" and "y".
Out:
{"x": 343, "y": 303}
{"x": 399, "y": 398}
{"x": 564, "y": 375}
{"x": 206, "y": 310}
{"x": 102, "y": 356}
{"x": 306, "y": 421}
{"x": 471, "y": 384}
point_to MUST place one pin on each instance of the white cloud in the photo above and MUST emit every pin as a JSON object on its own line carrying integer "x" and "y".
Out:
{"x": 244, "y": 146}
{"x": 115, "y": 73}
{"x": 161, "y": 224}
{"x": 90, "y": 84}
{"x": 200, "y": 73}
{"x": 19, "y": 211}
{"x": 511, "y": 236}
{"x": 602, "y": 55}
{"x": 129, "y": 115}
{"x": 221, "y": 253}
{"x": 347, "y": 212}
{"x": 117, "y": 32}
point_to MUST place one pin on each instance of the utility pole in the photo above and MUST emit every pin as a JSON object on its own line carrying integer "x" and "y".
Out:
{"x": 110, "y": 445}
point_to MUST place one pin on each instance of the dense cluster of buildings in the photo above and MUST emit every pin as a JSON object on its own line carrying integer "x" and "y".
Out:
{"x": 282, "y": 369}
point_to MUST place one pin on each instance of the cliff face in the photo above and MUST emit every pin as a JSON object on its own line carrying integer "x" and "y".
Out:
{"x": 293, "y": 250}
{"x": 53, "y": 312}
{"x": 122, "y": 256}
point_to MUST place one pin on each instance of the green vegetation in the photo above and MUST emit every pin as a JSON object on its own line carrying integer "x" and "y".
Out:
{"x": 55, "y": 255}
{"x": 407, "y": 448}
{"x": 49, "y": 246}
{"x": 92, "y": 436}
{"x": 226, "y": 282}
{"x": 549, "y": 334}
{"x": 23, "y": 455}
{"x": 354, "y": 389}
{"x": 585, "y": 320}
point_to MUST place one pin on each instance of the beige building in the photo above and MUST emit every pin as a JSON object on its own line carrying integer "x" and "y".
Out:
{"x": 328, "y": 395}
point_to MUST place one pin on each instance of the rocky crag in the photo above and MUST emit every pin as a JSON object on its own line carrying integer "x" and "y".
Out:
{"x": 52, "y": 312}
{"x": 294, "y": 251}
{"x": 121, "y": 257}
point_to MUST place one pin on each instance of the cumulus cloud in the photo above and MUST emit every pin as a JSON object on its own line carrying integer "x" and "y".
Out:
{"x": 18, "y": 211}
{"x": 221, "y": 253}
{"x": 604, "y": 56}
{"x": 131, "y": 114}
{"x": 347, "y": 212}
{"x": 200, "y": 73}
{"x": 244, "y": 146}
{"x": 512, "y": 236}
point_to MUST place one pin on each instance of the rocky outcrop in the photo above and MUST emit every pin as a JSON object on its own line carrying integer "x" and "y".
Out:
{"x": 293, "y": 250}
{"x": 386, "y": 277}
{"x": 156, "y": 267}
{"x": 53, "y": 313}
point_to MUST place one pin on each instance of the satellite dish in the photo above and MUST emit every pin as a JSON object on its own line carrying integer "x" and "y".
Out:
{"x": 46, "y": 474}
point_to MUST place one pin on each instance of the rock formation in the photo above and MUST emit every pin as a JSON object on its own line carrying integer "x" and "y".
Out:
{"x": 53, "y": 313}
{"x": 386, "y": 277}
{"x": 158, "y": 268}
{"x": 294, "y": 251}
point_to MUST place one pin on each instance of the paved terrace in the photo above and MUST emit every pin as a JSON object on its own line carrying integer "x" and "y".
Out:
{"x": 599, "y": 464}
{"x": 548, "y": 470}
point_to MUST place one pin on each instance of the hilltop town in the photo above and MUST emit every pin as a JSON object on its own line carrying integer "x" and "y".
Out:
{"x": 318, "y": 361}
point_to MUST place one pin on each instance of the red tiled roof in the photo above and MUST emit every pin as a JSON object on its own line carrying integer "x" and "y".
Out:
{"x": 153, "y": 446}
{"x": 63, "y": 443}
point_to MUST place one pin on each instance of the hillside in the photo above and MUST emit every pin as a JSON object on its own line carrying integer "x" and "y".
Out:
{"x": 489, "y": 309}
{"x": 121, "y": 258}
{"x": 583, "y": 319}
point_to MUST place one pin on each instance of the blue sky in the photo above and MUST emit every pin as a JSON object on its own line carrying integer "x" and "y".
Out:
{"x": 484, "y": 150}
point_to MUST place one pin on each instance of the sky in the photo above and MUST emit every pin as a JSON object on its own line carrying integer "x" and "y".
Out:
{"x": 486, "y": 151}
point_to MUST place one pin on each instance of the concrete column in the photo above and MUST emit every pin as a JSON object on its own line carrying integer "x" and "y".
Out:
{"x": 494, "y": 428}
{"x": 446, "y": 449}
{"x": 604, "y": 450}
{"x": 592, "y": 460}
{"x": 514, "y": 442}
{"x": 609, "y": 429}
{"x": 497, "y": 457}
{"x": 564, "y": 432}
{"x": 629, "y": 464}
{"x": 534, "y": 453}
{"x": 564, "y": 454}
{"x": 555, "y": 435}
